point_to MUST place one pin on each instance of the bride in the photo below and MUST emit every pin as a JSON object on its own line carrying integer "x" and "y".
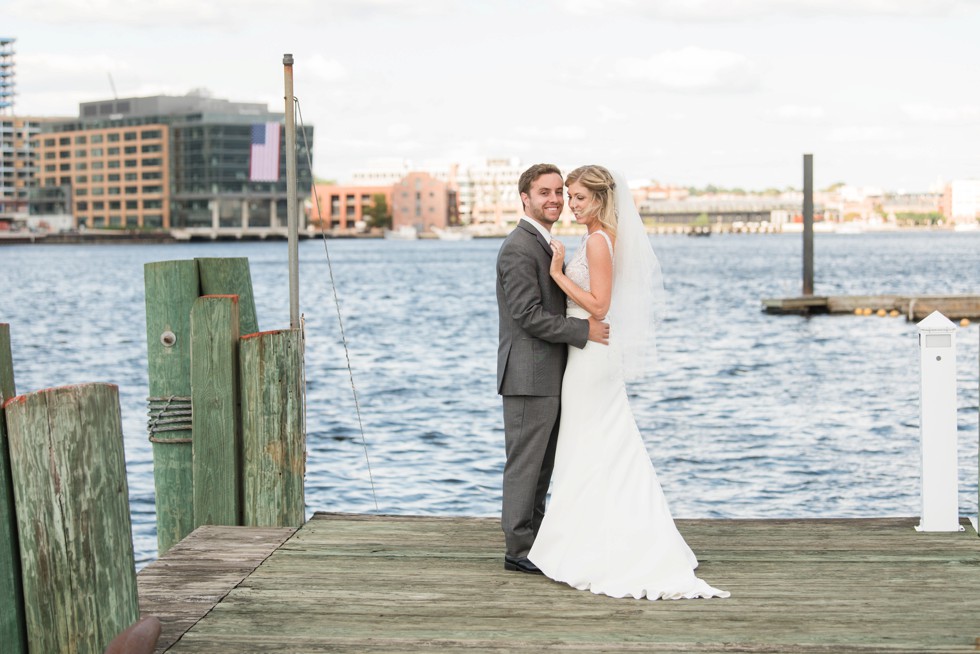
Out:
{"x": 608, "y": 528}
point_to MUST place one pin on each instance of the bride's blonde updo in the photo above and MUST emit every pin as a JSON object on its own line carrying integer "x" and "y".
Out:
{"x": 600, "y": 181}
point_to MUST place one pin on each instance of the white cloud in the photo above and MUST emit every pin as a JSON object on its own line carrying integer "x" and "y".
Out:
{"x": 326, "y": 70}
{"x": 217, "y": 13}
{"x": 555, "y": 133}
{"x": 864, "y": 134}
{"x": 399, "y": 131}
{"x": 930, "y": 113}
{"x": 370, "y": 8}
{"x": 128, "y": 12}
{"x": 717, "y": 10}
{"x": 692, "y": 69}
{"x": 610, "y": 115}
{"x": 793, "y": 112}
{"x": 44, "y": 64}
{"x": 54, "y": 84}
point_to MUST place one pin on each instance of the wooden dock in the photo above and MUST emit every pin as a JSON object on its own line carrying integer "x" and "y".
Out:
{"x": 356, "y": 583}
{"x": 913, "y": 307}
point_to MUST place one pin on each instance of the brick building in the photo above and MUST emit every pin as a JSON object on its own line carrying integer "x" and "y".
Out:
{"x": 423, "y": 201}
{"x": 338, "y": 207}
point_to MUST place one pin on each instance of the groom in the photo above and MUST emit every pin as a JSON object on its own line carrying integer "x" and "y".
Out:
{"x": 534, "y": 332}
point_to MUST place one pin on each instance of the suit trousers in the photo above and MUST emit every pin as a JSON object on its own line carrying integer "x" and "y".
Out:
{"x": 531, "y": 436}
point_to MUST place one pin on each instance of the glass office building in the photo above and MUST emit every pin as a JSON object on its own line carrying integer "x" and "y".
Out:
{"x": 168, "y": 162}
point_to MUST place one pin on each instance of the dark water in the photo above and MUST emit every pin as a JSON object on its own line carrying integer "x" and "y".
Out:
{"x": 748, "y": 415}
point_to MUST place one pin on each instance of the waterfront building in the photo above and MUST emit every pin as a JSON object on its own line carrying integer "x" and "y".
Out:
{"x": 482, "y": 193}
{"x": 911, "y": 208}
{"x": 727, "y": 211}
{"x": 343, "y": 208}
{"x": 383, "y": 175}
{"x": 423, "y": 201}
{"x": 170, "y": 162}
{"x": 19, "y": 165}
{"x": 644, "y": 190}
{"x": 7, "y": 75}
{"x": 961, "y": 202}
{"x": 488, "y": 194}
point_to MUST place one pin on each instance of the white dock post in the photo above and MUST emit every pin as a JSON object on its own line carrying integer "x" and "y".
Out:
{"x": 937, "y": 424}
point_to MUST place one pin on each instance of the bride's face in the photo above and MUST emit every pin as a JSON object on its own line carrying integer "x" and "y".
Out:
{"x": 582, "y": 203}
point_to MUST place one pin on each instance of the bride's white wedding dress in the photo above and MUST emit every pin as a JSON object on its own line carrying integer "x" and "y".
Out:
{"x": 608, "y": 528}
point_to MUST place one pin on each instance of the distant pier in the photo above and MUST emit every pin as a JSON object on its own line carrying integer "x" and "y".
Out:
{"x": 359, "y": 583}
{"x": 913, "y": 307}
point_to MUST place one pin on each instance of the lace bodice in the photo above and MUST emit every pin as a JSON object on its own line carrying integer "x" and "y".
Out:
{"x": 577, "y": 268}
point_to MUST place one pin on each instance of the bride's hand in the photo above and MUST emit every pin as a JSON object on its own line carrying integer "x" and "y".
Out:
{"x": 557, "y": 257}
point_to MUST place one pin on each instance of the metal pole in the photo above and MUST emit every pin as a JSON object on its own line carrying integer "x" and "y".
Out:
{"x": 292, "y": 216}
{"x": 807, "y": 224}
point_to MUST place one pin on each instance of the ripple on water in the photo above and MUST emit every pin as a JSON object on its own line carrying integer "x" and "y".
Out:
{"x": 747, "y": 415}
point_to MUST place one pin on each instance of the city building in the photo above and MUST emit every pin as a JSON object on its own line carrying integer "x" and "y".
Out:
{"x": 961, "y": 202}
{"x": 345, "y": 208}
{"x": 483, "y": 195}
{"x": 384, "y": 174}
{"x": 6, "y": 75}
{"x": 725, "y": 211}
{"x": 488, "y": 192}
{"x": 170, "y": 162}
{"x": 423, "y": 201}
{"x": 18, "y": 165}
{"x": 904, "y": 209}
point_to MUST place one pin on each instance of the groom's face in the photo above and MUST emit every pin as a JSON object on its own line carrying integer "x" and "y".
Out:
{"x": 545, "y": 200}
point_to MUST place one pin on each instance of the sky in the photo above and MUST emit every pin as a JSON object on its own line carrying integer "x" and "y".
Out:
{"x": 883, "y": 93}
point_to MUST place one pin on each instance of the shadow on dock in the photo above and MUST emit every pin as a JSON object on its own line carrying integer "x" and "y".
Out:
{"x": 358, "y": 583}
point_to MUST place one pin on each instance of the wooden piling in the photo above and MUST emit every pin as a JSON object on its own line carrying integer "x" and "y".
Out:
{"x": 273, "y": 428}
{"x": 807, "y": 224}
{"x": 171, "y": 290}
{"x": 215, "y": 400}
{"x": 7, "y": 387}
{"x": 231, "y": 276}
{"x": 69, "y": 477}
{"x": 12, "y": 631}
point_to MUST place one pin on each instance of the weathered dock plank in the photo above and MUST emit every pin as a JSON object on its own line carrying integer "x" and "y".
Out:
{"x": 196, "y": 573}
{"x": 349, "y": 583}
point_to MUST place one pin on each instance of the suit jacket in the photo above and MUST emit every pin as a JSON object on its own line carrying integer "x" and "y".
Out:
{"x": 534, "y": 330}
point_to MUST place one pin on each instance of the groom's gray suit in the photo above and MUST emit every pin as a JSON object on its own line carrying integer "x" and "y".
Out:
{"x": 531, "y": 359}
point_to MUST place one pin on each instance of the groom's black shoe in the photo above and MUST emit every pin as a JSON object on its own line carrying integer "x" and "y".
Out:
{"x": 522, "y": 564}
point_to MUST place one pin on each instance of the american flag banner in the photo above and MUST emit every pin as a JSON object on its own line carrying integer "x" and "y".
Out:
{"x": 264, "y": 164}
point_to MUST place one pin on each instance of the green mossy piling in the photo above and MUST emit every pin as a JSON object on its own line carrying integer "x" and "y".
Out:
{"x": 273, "y": 429}
{"x": 12, "y": 630}
{"x": 216, "y": 419}
{"x": 69, "y": 477}
{"x": 172, "y": 287}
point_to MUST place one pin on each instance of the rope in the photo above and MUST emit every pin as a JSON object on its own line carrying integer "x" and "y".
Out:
{"x": 336, "y": 299}
{"x": 174, "y": 415}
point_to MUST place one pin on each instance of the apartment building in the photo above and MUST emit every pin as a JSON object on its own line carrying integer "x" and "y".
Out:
{"x": 488, "y": 192}
{"x": 7, "y": 76}
{"x": 18, "y": 163}
{"x": 166, "y": 162}
{"x": 961, "y": 201}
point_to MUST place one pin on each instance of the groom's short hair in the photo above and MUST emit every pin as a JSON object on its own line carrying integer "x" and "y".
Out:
{"x": 532, "y": 173}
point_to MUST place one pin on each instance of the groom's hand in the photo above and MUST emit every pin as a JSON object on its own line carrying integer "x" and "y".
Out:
{"x": 598, "y": 331}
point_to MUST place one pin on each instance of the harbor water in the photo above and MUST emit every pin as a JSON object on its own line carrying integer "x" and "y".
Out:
{"x": 747, "y": 415}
